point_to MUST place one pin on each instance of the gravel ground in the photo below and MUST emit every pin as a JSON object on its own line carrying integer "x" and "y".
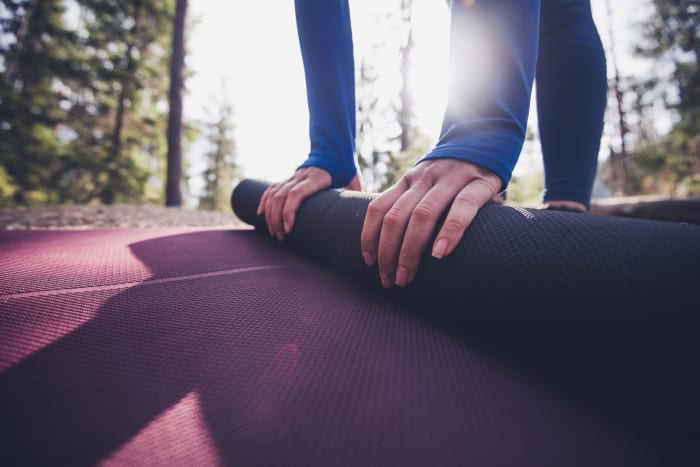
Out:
{"x": 118, "y": 215}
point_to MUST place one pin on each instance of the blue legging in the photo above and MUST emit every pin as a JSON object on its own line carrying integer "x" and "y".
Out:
{"x": 497, "y": 47}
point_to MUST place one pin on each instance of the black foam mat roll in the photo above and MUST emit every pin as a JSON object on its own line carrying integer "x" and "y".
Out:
{"x": 636, "y": 276}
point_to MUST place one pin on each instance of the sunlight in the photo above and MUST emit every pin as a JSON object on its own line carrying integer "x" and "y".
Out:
{"x": 428, "y": 74}
{"x": 476, "y": 64}
{"x": 261, "y": 61}
{"x": 255, "y": 48}
{"x": 180, "y": 431}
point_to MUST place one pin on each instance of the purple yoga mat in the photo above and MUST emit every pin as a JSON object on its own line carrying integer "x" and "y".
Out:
{"x": 199, "y": 347}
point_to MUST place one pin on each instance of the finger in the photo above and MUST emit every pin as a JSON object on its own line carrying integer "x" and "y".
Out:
{"x": 267, "y": 201}
{"x": 464, "y": 208}
{"x": 275, "y": 210}
{"x": 419, "y": 230}
{"x": 371, "y": 228}
{"x": 274, "y": 189}
{"x": 263, "y": 200}
{"x": 393, "y": 229}
{"x": 296, "y": 195}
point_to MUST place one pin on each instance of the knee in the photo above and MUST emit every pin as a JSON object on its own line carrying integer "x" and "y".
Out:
{"x": 569, "y": 23}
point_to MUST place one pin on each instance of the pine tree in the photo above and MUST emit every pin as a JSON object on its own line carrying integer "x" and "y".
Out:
{"x": 128, "y": 40}
{"x": 81, "y": 108}
{"x": 30, "y": 104}
{"x": 673, "y": 35}
{"x": 221, "y": 170}
{"x": 672, "y": 162}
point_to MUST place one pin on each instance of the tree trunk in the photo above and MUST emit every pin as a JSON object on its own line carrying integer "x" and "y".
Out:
{"x": 406, "y": 110}
{"x": 173, "y": 189}
{"x": 121, "y": 101}
{"x": 22, "y": 31}
{"x": 114, "y": 183}
{"x": 622, "y": 179}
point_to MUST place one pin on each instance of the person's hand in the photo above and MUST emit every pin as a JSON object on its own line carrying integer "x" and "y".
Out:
{"x": 281, "y": 201}
{"x": 400, "y": 222}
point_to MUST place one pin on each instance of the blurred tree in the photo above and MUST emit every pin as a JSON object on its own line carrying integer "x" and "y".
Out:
{"x": 173, "y": 188}
{"x": 526, "y": 189}
{"x": 82, "y": 101}
{"x": 405, "y": 107}
{"x": 618, "y": 162}
{"x": 386, "y": 129}
{"x": 221, "y": 170}
{"x": 671, "y": 163}
{"x": 129, "y": 38}
{"x": 35, "y": 48}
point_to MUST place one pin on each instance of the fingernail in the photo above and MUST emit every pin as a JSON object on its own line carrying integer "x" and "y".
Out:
{"x": 440, "y": 248}
{"x": 402, "y": 277}
{"x": 368, "y": 258}
{"x": 287, "y": 228}
{"x": 386, "y": 280}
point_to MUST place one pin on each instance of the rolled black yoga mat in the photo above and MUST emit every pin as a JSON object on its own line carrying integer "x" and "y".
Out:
{"x": 642, "y": 275}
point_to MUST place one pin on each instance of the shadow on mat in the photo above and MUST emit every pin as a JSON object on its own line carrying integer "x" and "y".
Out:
{"x": 78, "y": 399}
{"x": 224, "y": 338}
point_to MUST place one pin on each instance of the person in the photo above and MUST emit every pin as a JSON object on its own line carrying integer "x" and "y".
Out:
{"x": 497, "y": 48}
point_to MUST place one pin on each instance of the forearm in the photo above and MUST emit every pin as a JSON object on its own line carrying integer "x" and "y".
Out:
{"x": 326, "y": 44}
{"x": 492, "y": 68}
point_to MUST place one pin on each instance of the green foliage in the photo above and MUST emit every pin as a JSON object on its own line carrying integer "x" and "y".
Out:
{"x": 8, "y": 188}
{"x": 673, "y": 35}
{"x": 221, "y": 169}
{"x": 526, "y": 189}
{"x": 82, "y": 99}
{"x": 671, "y": 163}
{"x": 401, "y": 162}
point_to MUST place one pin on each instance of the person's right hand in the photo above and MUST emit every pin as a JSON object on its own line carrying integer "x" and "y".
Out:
{"x": 281, "y": 201}
{"x": 400, "y": 222}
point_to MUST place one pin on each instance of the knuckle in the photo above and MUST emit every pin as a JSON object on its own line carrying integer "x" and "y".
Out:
{"x": 453, "y": 225}
{"x": 296, "y": 192}
{"x": 295, "y": 189}
{"x": 424, "y": 211}
{"x": 408, "y": 255}
{"x": 278, "y": 197}
{"x": 375, "y": 207}
{"x": 393, "y": 218}
{"x": 467, "y": 197}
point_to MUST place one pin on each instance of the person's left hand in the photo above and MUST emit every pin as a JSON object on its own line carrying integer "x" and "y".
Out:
{"x": 400, "y": 222}
{"x": 281, "y": 201}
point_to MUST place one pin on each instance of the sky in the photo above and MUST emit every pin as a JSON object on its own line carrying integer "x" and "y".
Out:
{"x": 248, "y": 54}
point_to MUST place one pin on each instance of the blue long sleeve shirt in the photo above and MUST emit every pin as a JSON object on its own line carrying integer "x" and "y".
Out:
{"x": 492, "y": 67}
{"x": 326, "y": 46}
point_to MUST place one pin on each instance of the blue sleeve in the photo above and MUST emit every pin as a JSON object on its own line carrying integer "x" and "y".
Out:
{"x": 493, "y": 57}
{"x": 325, "y": 37}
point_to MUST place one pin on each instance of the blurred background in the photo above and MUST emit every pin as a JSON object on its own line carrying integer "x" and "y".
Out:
{"x": 161, "y": 102}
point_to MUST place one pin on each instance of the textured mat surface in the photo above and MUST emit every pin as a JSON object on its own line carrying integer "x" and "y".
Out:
{"x": 206, "y": 347}
{"x": 574, "y": 275}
